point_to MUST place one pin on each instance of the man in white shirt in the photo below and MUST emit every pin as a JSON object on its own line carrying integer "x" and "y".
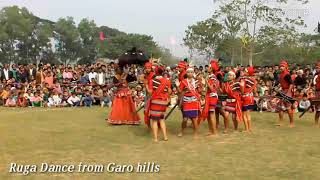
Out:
{"x": 101, "y": 78}
{"x": 74, "y": 100}
{"x": 92, "y": 75}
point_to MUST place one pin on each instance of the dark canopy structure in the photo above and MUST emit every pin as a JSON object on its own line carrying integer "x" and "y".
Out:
{"x": 133, "y": 56}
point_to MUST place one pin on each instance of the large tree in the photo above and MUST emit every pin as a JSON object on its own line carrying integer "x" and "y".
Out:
{"x": 69, "y": 42}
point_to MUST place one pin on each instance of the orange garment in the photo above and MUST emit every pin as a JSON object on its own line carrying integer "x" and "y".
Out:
{"x": 49, "y": 80}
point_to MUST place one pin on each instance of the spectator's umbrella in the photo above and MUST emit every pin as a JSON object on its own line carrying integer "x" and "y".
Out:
{"x": 133, "y": 56}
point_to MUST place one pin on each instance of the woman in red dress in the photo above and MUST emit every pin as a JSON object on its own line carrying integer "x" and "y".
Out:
{"x": 123, "y": 108}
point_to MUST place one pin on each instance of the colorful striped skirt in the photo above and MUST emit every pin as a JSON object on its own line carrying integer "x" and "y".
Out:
{"x": 230, "y": 105}
{"x": 247, "y": 102}
{"x": 158, "y": 108}
{"x": 191, "y": 107}
{"x": 213, "y": 102}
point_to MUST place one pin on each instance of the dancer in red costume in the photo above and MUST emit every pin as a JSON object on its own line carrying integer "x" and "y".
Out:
{"x": 233, "y": 104}
{"x": 149, "y": 75}
{"x": 123, "y": 107}
{"x": 248, "y": 89}
{"x": 191, "y": 106}
{"x": 286, "y": 87}
{"x": 160, "y": 91}
{"x": 211, "y": 98}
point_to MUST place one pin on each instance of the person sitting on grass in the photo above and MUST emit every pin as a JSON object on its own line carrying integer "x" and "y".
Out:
{"x": 37, "y": 100}
{"x": 64, "y": 98}
{"x": 106, "y": 100}
{"x": 28, "y": 96}
{"x": 22, "y": 102}
{"x": 87, "y": 99}
{"x": 11, "y": 101}
{"x": 5, "y": 94}
{"x": 54, "y": 100}
{"x": 304, "y": 103}
{"x": 73, "y": 100}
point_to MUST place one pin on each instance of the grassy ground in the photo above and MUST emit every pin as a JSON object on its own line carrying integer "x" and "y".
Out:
{"x": 71, "y": 136}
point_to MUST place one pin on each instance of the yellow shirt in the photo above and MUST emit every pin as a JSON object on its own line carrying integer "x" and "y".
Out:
{"x": 4, "y": 94}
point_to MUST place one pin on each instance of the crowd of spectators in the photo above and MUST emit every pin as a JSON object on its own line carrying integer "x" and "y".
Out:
{"x": 49, "y": 85}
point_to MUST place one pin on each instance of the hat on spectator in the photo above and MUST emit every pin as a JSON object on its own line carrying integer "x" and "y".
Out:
{"x": 214, "y": 65}
{"x": 284, "y": 63}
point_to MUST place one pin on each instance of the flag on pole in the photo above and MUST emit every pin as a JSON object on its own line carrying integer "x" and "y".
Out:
{"x": 102, "y": 36}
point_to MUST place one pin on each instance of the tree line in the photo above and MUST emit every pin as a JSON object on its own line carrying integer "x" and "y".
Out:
{"x": 254, "y": 32}
{"x": 26, "y": 38}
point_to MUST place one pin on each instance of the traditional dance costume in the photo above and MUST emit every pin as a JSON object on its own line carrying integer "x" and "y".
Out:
{"x": 249, "y": 86}
{"x": 123, "y": 107}
{"x": 211, "y": 96}
{"x": 147, "y": 82}
{"x": 285, "y": 83}
{"x": 233, "y": 103}
{"x": 191, "y": 106}
{"x": 159, "y": 99}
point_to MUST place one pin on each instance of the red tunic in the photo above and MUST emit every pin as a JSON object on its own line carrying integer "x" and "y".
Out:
{"x": 191, "y": 100}
{"x": 211, "y": 96}
{"x": 232, "y": 89}
{"x": 283, "y": 82}
{"x": 159, "y": 99}
{"x": 249, "y": 85}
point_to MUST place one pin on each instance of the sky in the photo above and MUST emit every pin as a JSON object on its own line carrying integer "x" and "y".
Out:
{"x": 165, "y": 20}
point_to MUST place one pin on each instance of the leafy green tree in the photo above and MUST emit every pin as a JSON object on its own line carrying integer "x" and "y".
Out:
{"x": 89, "y": 41}
{"x": 69, "y": 40}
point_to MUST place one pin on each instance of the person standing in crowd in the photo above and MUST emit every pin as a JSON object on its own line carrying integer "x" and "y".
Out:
{"x": 287, "y": 86}
{"x": 122, "y": 111}
{"x": 248, "y": 89}
{"x": 211, "y": 98}
{"x": 6, "y": 73}
{"x": 191, "y": 105}
{"x": 159, "y": 95}
{"x": 92, "y": 75}
{"x": 300, "y": 81}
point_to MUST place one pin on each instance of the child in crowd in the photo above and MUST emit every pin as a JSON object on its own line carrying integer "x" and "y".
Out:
{"x": 11, "y": 101}
{"x": 73, "y": 100}
{"x": 22, "y": 102}
{"x": 37, "y": 100}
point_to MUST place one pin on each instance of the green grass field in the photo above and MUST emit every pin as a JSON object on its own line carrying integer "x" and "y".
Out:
{"x": 71, "y": 136}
